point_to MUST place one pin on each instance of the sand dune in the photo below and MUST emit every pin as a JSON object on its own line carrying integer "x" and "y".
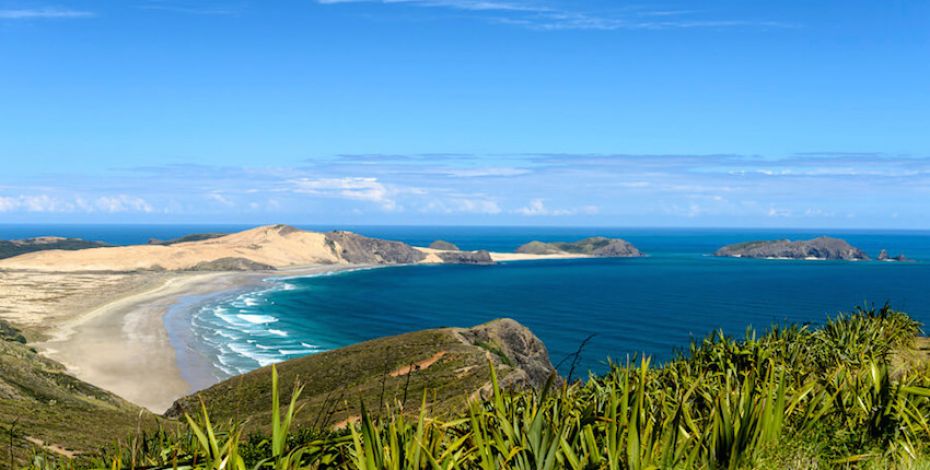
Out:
{"x": 276, "y": 246}
{"x": 269, "y": 247}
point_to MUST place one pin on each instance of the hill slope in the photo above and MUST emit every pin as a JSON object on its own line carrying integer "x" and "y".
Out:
{"x": 452, "y": 363}
{"x": 51, "y": 408}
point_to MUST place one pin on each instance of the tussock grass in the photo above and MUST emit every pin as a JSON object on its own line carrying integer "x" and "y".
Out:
{"x": 793, "y": 397}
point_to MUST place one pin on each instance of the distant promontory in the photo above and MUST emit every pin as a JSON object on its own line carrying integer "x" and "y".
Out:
{"x": 594, "y": 246}
{"x": 11, "y": 248}
{"x": 821, "y": 248}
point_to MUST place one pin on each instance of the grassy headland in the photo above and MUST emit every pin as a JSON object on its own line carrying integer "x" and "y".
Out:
{"x": 854, "y": 393}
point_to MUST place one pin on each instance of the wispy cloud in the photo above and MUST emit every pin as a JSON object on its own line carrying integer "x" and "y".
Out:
{"x": 201, "y": 7}
{"x": 471, "y": 5}
{"x": 537, "y": 208}
{"x": 548, "y": 17}
{"x": 816, "y": 190}
{"x": 46, "y": 203}
{"x": 358, "y": 189}
{"x": 43, "y": 13}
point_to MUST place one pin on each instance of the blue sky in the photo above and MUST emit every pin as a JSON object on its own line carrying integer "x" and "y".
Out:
{"x": 549, "y": 112}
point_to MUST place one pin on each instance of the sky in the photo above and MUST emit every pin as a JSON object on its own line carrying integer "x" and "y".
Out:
{"x": 716, "y": 113}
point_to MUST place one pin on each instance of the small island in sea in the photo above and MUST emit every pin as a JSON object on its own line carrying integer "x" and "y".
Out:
{"x": 594, "y": 246}
{"x": 884, "y": 256}
{"x": 821, "y": 248}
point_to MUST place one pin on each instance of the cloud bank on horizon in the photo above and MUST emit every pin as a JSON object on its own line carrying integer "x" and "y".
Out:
{"x": 806, "y": 190}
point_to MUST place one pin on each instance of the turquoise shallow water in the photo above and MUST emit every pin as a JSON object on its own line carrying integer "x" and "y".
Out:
{"x": 652, "y": 305}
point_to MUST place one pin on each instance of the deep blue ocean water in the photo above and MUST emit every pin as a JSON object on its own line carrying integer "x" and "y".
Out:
{"x": 651, "y": 305}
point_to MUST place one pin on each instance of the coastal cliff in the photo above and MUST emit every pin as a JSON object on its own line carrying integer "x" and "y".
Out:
{"x": 451, "y": 363}
{"x": 822, "y": 248}
{"x": 594, "y": 246}
{"x": 356, "y": 249}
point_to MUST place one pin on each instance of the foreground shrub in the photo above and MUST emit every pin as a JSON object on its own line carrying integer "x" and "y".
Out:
{"x": 791, "y": 398}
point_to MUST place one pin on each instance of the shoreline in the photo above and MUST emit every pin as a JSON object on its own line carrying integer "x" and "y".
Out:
{"x": 138, "y": 344}
{"x": 127, "y": 346}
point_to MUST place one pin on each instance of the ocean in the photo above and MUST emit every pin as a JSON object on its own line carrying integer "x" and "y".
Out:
{"x": 654, "y": 305}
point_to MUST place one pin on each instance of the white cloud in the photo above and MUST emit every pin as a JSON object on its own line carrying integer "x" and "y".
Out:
{"x": 43, "y": 13}
{"x": 463, "y": 205}
{"x": 537, "y": 207}
{"x": 220, "y": 199}
{"x": 354, "y": 188}
{"x": 44, "y": 203}
{"x": 8, "y": 204}
{"x": 122, "y": 203}
{"x": 775, "y": 212}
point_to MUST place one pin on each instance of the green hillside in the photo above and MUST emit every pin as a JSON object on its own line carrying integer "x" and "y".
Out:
{"x": 50, "y": 410}
{"x": 852, "y": 394}
{"x": 11, "y": 248}
{"x": 393, "y": 372}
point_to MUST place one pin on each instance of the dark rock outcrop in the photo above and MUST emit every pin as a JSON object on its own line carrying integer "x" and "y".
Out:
{"x": 11, "y": 248}
{"x": 822, "y": 248}
{"x": 466, "y": 257}
{"x": 443, "y": 245}
{"x": 232, "y": 264}
{"x": 357, "y": 249}
{"x": 9, "y": 333}
{"x": 883, "y": 256}
{"x": 594, "y": 246}
{"x": 516, "y": 346}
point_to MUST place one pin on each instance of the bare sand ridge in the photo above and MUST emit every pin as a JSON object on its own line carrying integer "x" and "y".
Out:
{"x": 276, "y": 246}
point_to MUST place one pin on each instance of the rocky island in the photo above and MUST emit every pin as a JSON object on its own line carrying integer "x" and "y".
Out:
{"x": 883, "y": 256}
{"x": 821, "y": 248}
{"x": 594, "y": 246}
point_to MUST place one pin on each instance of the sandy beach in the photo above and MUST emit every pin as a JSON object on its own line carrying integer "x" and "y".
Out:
{"x": 109, "y": 329}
